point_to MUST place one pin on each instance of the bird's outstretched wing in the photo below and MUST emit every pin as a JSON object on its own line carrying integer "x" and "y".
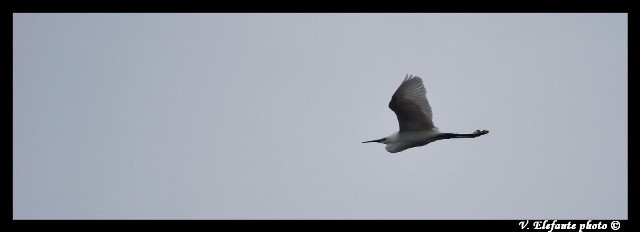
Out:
{"x": 410, "y": 104}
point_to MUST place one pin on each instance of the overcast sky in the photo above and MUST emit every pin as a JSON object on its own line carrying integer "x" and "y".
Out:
{"x": 261, "y": 116}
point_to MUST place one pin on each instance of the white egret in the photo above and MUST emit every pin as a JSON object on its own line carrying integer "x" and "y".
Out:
{"x": 410, "y": 104}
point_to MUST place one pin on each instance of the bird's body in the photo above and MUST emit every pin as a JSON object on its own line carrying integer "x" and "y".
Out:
{"x": 412, "y": 108}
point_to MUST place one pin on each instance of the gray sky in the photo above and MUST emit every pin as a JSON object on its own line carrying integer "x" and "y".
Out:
{"x": 260, "y": 116}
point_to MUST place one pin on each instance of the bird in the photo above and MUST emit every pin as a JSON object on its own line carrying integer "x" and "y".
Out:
{"x": 413, "y": 111}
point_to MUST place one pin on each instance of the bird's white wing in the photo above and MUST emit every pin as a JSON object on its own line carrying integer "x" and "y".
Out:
{"x": 410, "y": 104}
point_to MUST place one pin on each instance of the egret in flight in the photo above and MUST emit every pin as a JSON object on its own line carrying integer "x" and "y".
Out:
{"x": 410, "y": 104}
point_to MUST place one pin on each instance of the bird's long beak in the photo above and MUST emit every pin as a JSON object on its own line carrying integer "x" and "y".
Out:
{"x": 377, "y": 141}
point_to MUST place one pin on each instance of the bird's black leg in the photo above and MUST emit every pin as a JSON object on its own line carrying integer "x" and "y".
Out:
{"x": 453, "y": 135}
